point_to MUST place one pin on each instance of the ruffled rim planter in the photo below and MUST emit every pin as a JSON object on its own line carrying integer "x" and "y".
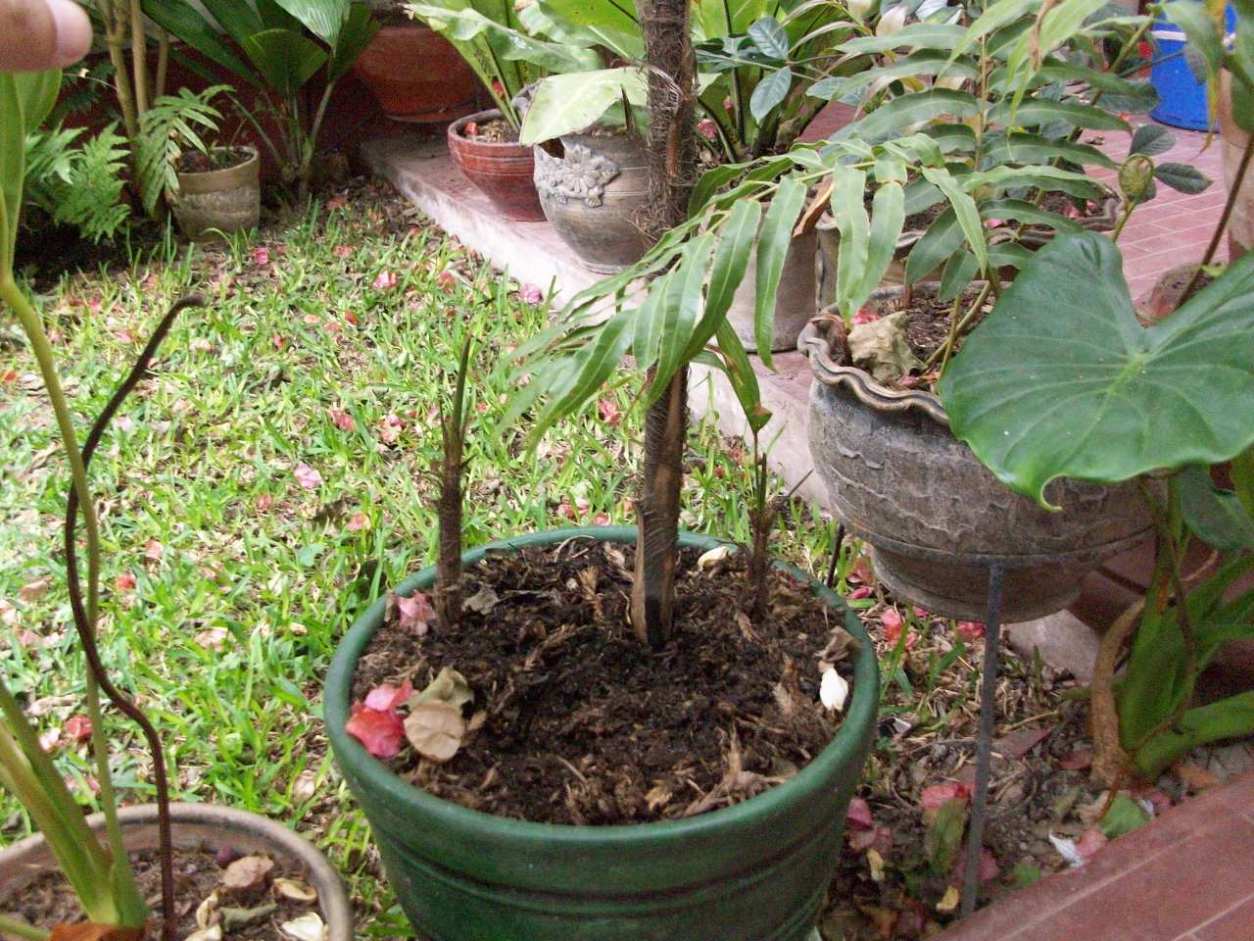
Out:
{"x": 935, "y": 517}
{"x": 194, "y": 826}
{"x": 756, "y": 871}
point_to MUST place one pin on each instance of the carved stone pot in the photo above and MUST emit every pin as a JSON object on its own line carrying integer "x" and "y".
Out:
{"x": 935, "y": 517}
{"x": 215, "y": 202}
{"x": 596, "y": 195}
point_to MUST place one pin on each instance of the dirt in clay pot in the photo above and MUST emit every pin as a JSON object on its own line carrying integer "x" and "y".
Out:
{"x": 934, "y": 515}
{"x": 595, "y": 788}
{"x": 261, "y": 880}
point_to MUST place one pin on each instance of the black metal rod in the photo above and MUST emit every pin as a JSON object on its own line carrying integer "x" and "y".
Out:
{"x": 984, "y": 745}
{"x": 840, "y": 542}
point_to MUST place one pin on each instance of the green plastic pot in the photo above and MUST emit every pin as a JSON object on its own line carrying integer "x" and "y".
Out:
{"x": 757, "y": 871}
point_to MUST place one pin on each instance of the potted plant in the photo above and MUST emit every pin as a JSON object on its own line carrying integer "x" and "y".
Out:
{"x": 1168, "y": 400}
{"x": 753, "y": 870}
{"x": 94, "y": 855}
{"x": 278, "y": 52}
{"x": 878, "y": 434}
{"x": 485, "y": 145}
{"x": 414, "y": 73}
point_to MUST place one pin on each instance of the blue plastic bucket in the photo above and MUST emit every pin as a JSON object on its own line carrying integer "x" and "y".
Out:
{"x": 1181, "y": 97}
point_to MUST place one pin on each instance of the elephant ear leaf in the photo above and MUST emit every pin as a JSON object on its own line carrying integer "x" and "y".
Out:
{"x": 1061, "y": 380}
{"x": 25, "y": 100}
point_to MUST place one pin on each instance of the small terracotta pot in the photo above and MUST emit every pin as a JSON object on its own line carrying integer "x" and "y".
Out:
{"x": 197, "y": 825}
{"x": 503, "y": 171}
{"x": 417, "y": 75}
{"x": 218, "y": 201}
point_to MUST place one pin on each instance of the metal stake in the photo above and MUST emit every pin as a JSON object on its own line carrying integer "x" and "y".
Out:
{"x": 984, "y": 745}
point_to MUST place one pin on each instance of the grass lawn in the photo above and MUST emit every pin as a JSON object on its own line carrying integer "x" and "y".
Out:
{"x": 269, "y": 481}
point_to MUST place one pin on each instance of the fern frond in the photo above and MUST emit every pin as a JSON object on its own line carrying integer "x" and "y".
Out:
{"x": 167, "y": 129}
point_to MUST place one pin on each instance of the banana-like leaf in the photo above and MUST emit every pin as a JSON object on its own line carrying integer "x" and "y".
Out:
{"x": 612, "y": 22}
{"x": 773, "y": 243}
{"x": 239, "y": 19}
{"x": 565, "y": 104}
{"x": 683, "y": 310}
{"x": 26, "y": 98}
{"x": 323, "y": 18}
{"x": 1061, "y": 380}
{"x": 920, "y": 63}
{"x": 286, "y": 60}
{"x": 359, "y": 29}
{"x": 185, "y": 22}
{"x": 965, "y": 210}
{"x": 943, "y": 36}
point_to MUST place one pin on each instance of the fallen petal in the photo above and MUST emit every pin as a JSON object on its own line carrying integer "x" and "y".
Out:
{"x": 833, "y": 690}
{"x": 307, "y": 927}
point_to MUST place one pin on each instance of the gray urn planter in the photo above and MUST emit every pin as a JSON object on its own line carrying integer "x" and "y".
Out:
{"x": 935, "y": 517}
{"x": 596, "y": 196}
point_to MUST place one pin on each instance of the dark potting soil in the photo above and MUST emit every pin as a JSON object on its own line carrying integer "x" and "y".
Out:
{"x": 49, "y": 900}
{"x": 196, "y": 162}
{"x": 496, "y": 131}
{"x": 583, "y": 724}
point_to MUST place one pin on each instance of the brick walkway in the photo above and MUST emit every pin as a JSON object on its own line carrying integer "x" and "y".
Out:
{"x": 1187, "y": 876}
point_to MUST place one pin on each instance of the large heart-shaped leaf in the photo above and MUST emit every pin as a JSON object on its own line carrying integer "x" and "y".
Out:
{"x": 1062, "y": 381}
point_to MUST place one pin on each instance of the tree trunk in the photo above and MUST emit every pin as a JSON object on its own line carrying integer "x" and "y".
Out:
{"x": 672, "y": 162}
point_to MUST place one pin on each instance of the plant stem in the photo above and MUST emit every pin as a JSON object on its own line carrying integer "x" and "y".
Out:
{"x": 1233, "y": 192}
{"x": 21, "y": 929}
{"x": 1109, "y": 758}
{"x": 163, "y": 62}
{"x": 956, "y": 333}
{"x": 453, "y": 421}
{"x": 139, "y": 57}
{"x": 1129, "y": 205}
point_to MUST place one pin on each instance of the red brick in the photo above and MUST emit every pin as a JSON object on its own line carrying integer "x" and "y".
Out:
{"x": 1235, "y": 925}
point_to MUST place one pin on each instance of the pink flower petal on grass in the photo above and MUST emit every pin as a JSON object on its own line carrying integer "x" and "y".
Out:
{"x": 530, "y": 294}
{"x": 936, "y": 796}
{"x": 381, "y": 733}
{"x": 970, "y": 631}
{"x": 862, "y": 591}
{"x": 78, "y": 728}
{"x": 261, "y": 256}
{"x": 358, "y": 521}
{"x": 385, "y": 281}
{"x": 307, "y": 477}
{"x": 387, "y": 697}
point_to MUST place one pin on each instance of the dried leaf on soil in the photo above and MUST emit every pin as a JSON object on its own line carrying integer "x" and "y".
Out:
{"x": 415, "y": 612}
{"x": 307, "y": 927}
{"x": 449, "y": 687}
{"x": 881, "y": 348}
{"x": 435, "y": 729}
{"x": 247, "y": 874}
{"x": 296, "y": 890}
{"x": 90, "y": 931}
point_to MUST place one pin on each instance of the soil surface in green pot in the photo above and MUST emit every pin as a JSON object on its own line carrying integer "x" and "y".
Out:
{"x": 574, "y": 721}
{"x": 758, "y": 870}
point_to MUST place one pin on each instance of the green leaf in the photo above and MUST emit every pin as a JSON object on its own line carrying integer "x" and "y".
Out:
{"x": 26, "y": 98}
{"x": 1229, "y": 718}
{"x": 731, "y": 259}
{"x": 770, "y": 93}
{"x": 770, "y": 38}
{"x": 965, "y": 210}
{"x": 941, "y": 240}
{"x": 1038, "y": 111}
{"x": 612, "y": 22}
{"x": 888, "y": 119}
{"x": 683, "y": 308}
{"x": 1020, "y": 210}
{"x": 995, "y": 16}
{"x": 286, "y": 60}
{"x": 942, "y": 36}
{"x": 1034, "y": 149}
{"x": 848, "y": 185}
{"x": 1182, "y": 177}
{"x": 1215, "y": 516}
{"x": 566, "y": 104}
{"x": 1049, "y": 179}
{"x": 1124, "y": 816}
{"x": 1152, "y": 140}
{"x": 323, "y": 18}
{"x": 943, "y": 837}
{"x": 920, "y": 63}
{"x": 711, "y": 182}
{"x": 1061, "y": 380}
{"x": 888, "y": 216}
{"x": 648, "y": 320}
{"x": 744, "y": 381}
{"x": 773, "y": 244}
{"x": 185, "y": 22}
{"x": 957, "y": 274}
{"x": 587, "y": 371}
{"x": 358, "y": 30}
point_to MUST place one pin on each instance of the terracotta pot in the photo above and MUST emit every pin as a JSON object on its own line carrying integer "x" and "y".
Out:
{"x": 596, "y": 195}
{"x": 935, "y": 517}
{"x": 197, "y": 825}
{"x": 219, "y": 201}
{"x": 796, "y": 301}
{"x": 505, "y": 172}
{"x": 1235, "y": 140}
{"x": 417, "y": 75}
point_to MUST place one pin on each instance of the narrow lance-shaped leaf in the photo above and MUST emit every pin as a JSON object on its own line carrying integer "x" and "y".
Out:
{"x": 886, "y": 120}
{"x": 731, "y": 259}
{"x": 592, "y": 367}
{"x": 683, "y": 308}
{"x": 1061, "y": 380}
{"x": 1215, "y": 516}
{"x": 740, "y": 374}
{"x": 773, "y": 245}
{"x": 965, "y": 211}
{"x": 848, "y": 185}
{"x": 888, "y": 215}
